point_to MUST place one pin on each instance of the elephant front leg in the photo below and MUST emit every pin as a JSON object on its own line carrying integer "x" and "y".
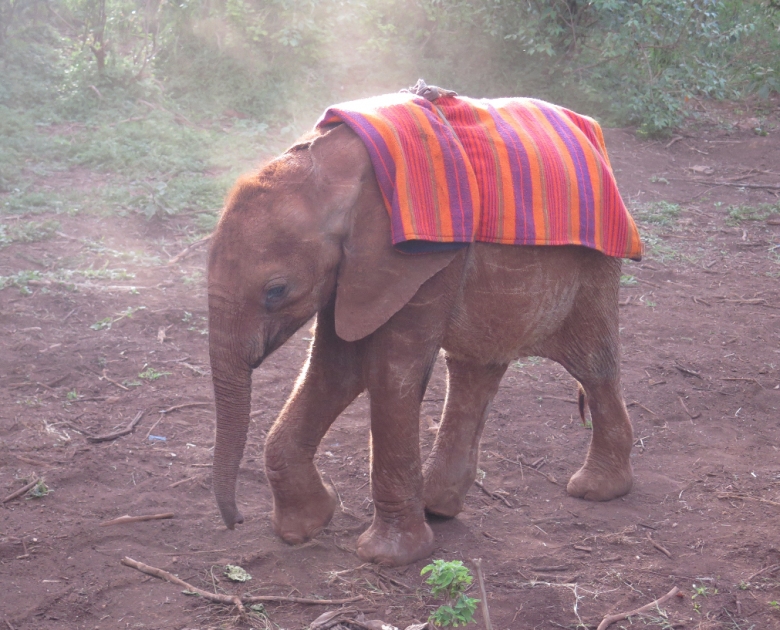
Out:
{"x": 451, "y": 468}
{"x": 607, "y": 472}
{"x": 398, "y": 534}
{"x": 303, "y": 505}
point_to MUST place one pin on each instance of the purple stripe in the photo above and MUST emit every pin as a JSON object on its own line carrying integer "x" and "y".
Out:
{"x": 522, "y": 183}
{"x": 381, "y": 158}
{"x": 587, "y": 209}
{"x": 456, "y": 170}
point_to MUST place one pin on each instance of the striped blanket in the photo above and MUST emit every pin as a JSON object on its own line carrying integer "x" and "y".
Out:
{"x": 512, "y": 171}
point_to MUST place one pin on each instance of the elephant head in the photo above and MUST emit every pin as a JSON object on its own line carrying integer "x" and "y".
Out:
{"x": 307, "y": 229}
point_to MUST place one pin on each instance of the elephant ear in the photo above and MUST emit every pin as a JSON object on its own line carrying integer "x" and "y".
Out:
{"x": 374, "y": 279}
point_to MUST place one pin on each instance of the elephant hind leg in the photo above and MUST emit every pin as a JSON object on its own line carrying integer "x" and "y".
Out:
{"x": 606, "y": 473}
{"x": 451, "y": 467}
{"x": 588, "y": 346}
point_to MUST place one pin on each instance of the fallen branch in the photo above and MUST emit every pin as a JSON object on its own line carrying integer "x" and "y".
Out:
{"x": 235, "y": 600}
{"x": 771, "y": 569}
{"x": 749, "y": 380}
{"x": 116, "y": 434}
{"x": 522, "y": 464}
{"x": 493, "y": 495}
{"x": 136, "y": 519}
{"x": 481, "y": 579}
{"x": 610, "y": 619}
{"x": 188, "y": 250}
{"x": 663, "y": 550}
{"x": 178, "y": 483}
{"x": 154, "y": 426}
{"x": 731, "y": 184}
{"x": 688, "y": 371}
{"x": 21, "y": 491}
{"x": 684, "y": 406}
{"x": 184, "y": 406}
{"x": 745, "y": 497}
{"x": 113, "y": 382}
{"x": 634, "y": 403}
{"x": 298, "y": 600}
{"x": 164, "y": 575}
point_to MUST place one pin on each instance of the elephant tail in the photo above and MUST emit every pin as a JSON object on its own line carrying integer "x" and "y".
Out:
{"x": 582, "y": 404}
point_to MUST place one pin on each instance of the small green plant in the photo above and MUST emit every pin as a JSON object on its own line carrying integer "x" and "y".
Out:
{"x": 234, "y": 573}
{"x": 27, "y": 231}
{"x": 103, "y": 324}
{"x": 39, "y": 490}
{"x": 73, "y": 395}
{"x": 150, "y": 374}
{"x": 759, "y": 212}
{"x": 658, "y": 212}
{"x": 655, "y": 179}
{"x": 628, "y": 281}
{"x": 703, "y": 591}
{"x": 450, "y": 580}
{"x": 775, "y": 604}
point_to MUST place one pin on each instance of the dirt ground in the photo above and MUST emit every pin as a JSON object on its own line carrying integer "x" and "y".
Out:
{"x": 701, "y": 375}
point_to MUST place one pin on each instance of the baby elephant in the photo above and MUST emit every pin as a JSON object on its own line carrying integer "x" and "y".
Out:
{"x": 309, "y": 234}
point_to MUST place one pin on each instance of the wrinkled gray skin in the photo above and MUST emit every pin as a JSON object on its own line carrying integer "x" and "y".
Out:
{"x": 309, "y": 235}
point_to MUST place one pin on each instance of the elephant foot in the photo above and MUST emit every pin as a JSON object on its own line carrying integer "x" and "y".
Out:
{"x": 444, "y": 502}
{"x": 391, "y": 546}
{"x": 596, "y": 483}
{"x": 446, "y": 486}
{"x": 300, "y": 522}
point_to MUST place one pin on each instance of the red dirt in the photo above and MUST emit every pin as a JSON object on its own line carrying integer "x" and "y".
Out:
{"x": 701, "y": 375}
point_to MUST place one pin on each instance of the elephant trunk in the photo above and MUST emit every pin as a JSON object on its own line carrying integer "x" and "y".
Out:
{"x": 232, "y": 378}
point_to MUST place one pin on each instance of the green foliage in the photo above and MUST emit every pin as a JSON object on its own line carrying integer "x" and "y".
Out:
{"x": 759, "y": 212}
{"x": 150, "y": 374}
{"x": 39, "y": 490}
{"x": 450, "y": 580}
{"x": 27, "y": 231}
{"x": 235, "y": 573}
{"x": 656, "y": 212}
{"x": 147, "y": 92}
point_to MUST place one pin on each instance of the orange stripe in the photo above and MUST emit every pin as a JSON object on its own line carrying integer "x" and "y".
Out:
{"x": 507, "y": 212}
{"x": 439, "y": 176}
{"x": 390, "y": 136}
{"x": 538, "y": 189}
{"x": 570, "y": 173}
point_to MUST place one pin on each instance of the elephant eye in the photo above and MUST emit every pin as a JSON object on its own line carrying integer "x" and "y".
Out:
{"x": 274, "y": 295}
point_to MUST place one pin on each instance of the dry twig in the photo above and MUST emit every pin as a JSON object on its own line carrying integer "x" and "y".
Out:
{"x": 299, "y": 600}
{"x": 230, "y": 599}
{"x": 684, "y": 406}
{"x": 663, "y": 550}
{"x": 21, "y": 490}
{"x": 116, "y": 434}
{"x": 185, "y": 406}
{"x": 481, "y": 579}
{"x": 164, "y": 575}
{"x": 493, "y": 495}
{"x": 771, "y": 569}
{"x": 188, "y": 250}
{"x": 745, "y": 497}
{"x": 610, "y": 619}
{"x": 136, "y": 519}
{"x": 634, "y": 403}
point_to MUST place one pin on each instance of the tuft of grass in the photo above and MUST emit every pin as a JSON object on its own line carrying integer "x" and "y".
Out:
{"x": 656, "y": 212}
{"x": 150, "y": 374}
{"x": 27, "y": 231}
{"x": 760, "y": 212}
{"x": 39, "y": 490}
